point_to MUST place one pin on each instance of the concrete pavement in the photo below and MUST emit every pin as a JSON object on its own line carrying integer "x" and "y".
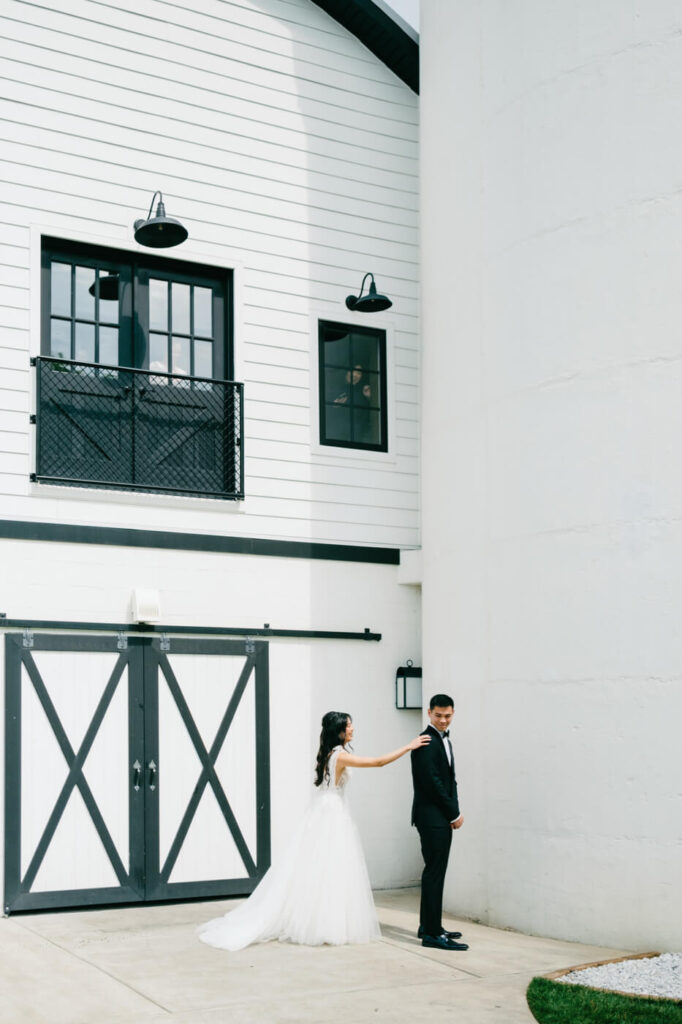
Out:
{"x": 144, "y": 965}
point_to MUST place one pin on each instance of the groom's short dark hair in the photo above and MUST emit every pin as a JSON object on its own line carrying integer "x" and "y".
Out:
{"x": 441, "y": 700}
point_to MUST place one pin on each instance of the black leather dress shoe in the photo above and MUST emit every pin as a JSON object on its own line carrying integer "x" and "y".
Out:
{"x": 440, "y": 942}
{"x": 448, "y": 935}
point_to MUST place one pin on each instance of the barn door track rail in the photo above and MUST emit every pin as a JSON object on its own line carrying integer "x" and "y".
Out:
{"x": 135, "y": 629}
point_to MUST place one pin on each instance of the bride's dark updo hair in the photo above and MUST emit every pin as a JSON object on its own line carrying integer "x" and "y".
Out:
{"x": 334, "y": 725}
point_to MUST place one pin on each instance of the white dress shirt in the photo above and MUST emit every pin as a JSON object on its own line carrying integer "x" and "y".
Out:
{"x": 448, "y": 754}
{"x": 446, "y": 744}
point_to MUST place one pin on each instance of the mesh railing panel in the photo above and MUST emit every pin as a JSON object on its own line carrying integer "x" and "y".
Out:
{"x": 104, "y": 426}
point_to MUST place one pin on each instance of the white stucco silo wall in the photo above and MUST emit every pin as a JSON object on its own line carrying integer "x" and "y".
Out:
{"x": 552, "y": 530}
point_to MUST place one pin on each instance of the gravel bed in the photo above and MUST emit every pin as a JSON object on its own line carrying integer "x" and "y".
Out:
{"x": 651, "y": 976}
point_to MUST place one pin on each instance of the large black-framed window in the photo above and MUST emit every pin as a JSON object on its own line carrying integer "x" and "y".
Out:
{"x": 111, "y": 307}
{"x": 353, "y": 386}
{"x": 132, "y": 386}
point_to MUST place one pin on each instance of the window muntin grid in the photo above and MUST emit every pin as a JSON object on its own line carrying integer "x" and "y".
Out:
{"x": 114, "y": 324}
{"x": 181, "y": 336}
{"x": 83, "y": 324}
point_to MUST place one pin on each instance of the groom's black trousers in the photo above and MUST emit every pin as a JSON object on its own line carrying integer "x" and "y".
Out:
{"x": 436, "y": 841}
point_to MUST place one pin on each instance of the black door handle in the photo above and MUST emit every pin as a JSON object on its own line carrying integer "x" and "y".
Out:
{"x": 152, "y": 774}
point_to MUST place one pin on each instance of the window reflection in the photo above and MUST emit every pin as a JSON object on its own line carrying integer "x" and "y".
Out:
{"x": 338, "y": 423}
{"x": 180, "y": 307}
{"x": 60, "y": 339}
{"x": 84, "y": 347}
{"x": 109, "y": 287}
{"x": 158, "y": 305}
{"x": 338, "y": 352}
{"x": 203, "y": 311}
{"x": 60, "y": 289}
{"x": 158, "y": 353}
{"x": 336, "y": 385}
{"x": 181, "y": 359}
{"x": 366, "y": 352}
{"x": 203, "y": 359}
{"x": 108, "y": 345}
{"x": 372, "y": 428}
{"x": 85, "y": 301}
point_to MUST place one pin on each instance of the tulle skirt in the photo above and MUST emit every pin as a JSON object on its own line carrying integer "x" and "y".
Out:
{"x": 317, "y": 892}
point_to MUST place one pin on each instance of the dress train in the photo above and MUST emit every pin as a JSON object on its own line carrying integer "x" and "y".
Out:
{"x": 317, "y": 892}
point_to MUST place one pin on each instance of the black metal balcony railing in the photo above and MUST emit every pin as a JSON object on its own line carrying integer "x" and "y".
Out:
{"x": 136, "y": 430}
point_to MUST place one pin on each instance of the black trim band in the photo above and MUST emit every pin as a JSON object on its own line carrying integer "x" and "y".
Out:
{"x": 114, "y": 536}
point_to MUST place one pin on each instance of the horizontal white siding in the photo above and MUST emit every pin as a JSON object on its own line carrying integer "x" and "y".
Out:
{"x": 288, "y": 149}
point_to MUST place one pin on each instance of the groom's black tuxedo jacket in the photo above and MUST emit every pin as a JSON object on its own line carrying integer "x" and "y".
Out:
{"x": 435, "y": 787}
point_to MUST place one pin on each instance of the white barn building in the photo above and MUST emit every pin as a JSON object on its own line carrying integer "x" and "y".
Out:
{"x": 160, "y": 752}
{"x": 193, "y": 571}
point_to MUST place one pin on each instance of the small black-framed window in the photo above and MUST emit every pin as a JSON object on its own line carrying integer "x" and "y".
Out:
{"x": 352, "y": 376}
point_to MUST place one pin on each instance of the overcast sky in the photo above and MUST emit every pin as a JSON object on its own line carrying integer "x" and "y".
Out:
{"x": 407, "y": 9}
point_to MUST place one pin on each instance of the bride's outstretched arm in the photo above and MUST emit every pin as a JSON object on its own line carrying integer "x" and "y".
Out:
{"x": 345, "y": 758}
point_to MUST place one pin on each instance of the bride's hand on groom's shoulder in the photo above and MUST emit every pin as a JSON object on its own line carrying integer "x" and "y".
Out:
{"x": 420, "y": 741}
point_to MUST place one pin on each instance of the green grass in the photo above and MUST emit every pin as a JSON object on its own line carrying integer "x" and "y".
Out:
{"x": 555, "y": 1002}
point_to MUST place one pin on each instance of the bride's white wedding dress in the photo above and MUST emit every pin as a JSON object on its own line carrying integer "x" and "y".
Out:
{"x": 317, "y": 892}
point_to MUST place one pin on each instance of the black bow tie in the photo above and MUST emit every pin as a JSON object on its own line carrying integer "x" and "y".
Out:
{"x": 446, "y": 733}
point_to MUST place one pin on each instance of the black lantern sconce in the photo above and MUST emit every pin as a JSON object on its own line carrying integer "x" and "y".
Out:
{"x": 408, "y": 686}
{"x": 159, "y": 231}
{"x": 372, "y": 302}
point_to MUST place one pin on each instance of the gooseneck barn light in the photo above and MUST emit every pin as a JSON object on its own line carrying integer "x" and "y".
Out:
{"x": 370, "y": 303}
{"x": 159, "y": 231}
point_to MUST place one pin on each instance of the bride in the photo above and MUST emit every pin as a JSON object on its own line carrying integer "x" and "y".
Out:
{"x": 319, "y": 891}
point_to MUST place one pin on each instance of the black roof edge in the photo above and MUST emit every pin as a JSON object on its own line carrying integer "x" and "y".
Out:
{"x": 385, "y": 34}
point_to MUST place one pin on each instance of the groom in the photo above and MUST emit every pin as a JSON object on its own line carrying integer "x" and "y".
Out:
{"x": 435, "y": 812}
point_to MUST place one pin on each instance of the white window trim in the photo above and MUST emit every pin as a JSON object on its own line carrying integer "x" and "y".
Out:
{"x": 325, "y": 452}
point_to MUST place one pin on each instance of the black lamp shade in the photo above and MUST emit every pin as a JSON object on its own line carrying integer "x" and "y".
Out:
{"x": 160, "y": 231}
{"x": 370, "y": 303}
